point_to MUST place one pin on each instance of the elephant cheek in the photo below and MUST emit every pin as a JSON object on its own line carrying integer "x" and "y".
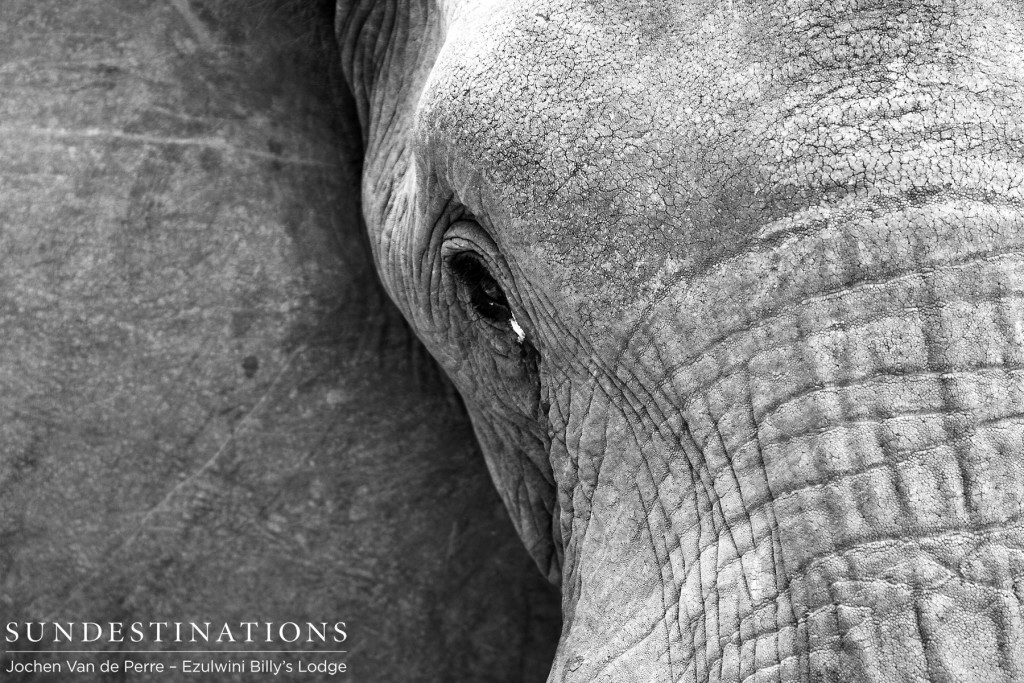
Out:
{"x": 620, "y": 602}
{"x": 626, "y": 513}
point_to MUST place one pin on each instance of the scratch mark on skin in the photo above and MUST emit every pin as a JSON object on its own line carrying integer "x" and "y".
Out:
{"x": 208, "y": 142}
{"x": 202, "y": 35}
{"x": 174, "y": 114}
{"x": 212, "y": 461}
{"x": 36, "y": 63}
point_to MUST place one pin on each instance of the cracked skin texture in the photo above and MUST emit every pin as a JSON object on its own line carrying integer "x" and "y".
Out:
{"x": 768, "y": 420}
{"x": 209, "y": 410}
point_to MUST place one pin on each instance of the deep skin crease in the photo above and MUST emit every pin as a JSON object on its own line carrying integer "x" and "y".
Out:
{"x": 764, "y": 417}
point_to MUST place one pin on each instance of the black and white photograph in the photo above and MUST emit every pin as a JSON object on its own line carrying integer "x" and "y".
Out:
{"x": 512, "y": 341}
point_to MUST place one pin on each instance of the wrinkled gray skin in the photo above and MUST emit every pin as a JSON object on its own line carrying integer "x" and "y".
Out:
{"x": 763, "y": 420}
{"x": 209, "y": 411}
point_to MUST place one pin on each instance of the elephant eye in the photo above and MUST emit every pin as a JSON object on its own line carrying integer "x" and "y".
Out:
{"x": 485, "y": 294}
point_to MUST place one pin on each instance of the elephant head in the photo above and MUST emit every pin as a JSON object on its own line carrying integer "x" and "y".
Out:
{"x": 733, "y": 294}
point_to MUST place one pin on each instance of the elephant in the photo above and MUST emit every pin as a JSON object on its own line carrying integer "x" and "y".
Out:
{"x": 209, "y": 409}
{"x": 732, "y": 292}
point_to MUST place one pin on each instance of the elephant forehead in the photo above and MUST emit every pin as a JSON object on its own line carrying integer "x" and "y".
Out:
{"x": 570, "y": 127}
{"x": 624, "y": 143}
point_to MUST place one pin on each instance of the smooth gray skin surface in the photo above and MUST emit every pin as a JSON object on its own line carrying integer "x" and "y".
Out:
{"x": 766, "y": 420}
{"x": 208, "y": 409}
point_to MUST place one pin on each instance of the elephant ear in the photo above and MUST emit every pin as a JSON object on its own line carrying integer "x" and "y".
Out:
{"x": 388, "y": 49}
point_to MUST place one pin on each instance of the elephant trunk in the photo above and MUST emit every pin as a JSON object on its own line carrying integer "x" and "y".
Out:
{"x": 830, "y": 484}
